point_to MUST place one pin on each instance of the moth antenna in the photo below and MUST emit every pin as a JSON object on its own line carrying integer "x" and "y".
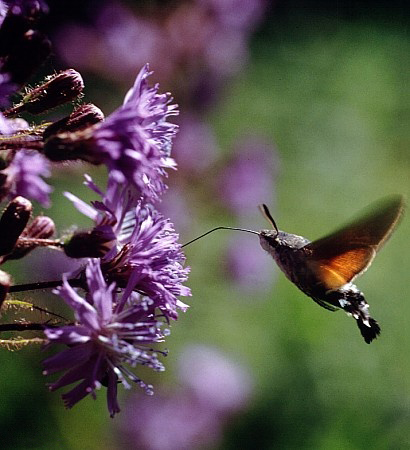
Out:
{"x": 266, "y": 213}
{"x": 220, "y": 228}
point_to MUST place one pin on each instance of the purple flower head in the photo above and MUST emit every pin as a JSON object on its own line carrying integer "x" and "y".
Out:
{"x": 250, "y": 273}
{"x": 135, "y": 140}
{"x": 175, "y": 205}
{"x": 109, "y": 333}
{"x": 216, "y": 381}
{"x": 143, "y": 245}
{"x": 192, "y": 417}
{"x": 151, "y": 256}
{"x": 171, "y": 421}
{"x": 236, "y": 14}
{"x": 25, "y": 172}
{"x": 249, "y": 178}
{"x": 112, "y": 215}
{"x": 118, "y": 36}
{"x": 195, "y": 146}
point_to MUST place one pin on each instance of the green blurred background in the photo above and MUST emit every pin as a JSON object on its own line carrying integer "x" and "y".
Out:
{"x": 331, "y": 92}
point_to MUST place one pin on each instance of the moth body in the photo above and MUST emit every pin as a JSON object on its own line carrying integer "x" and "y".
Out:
{"x": 296, "y": 260}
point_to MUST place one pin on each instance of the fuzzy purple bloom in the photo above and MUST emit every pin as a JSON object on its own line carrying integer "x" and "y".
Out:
{"x": 195, "y": 147}
{"x": 25, "y": 172}
{"x": 135, "y": 140}
{"x": 213, "y": 389}
{"x": 151, "y": 256}
{"x": 112, "y": 214}
{"x": 109, "y": 333}
{"x": 253, "y": 160}
{"x": 143, "y": 245}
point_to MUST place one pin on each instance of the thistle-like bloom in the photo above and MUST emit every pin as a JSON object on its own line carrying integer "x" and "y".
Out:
{"x": 109, "y": 331}
{"x": 151, "y": 256}
{"x": 135, "y": 140}
{"x": 140, "y": 245}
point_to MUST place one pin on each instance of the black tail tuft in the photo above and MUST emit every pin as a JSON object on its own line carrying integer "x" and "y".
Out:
{"x": 368, "y": 332}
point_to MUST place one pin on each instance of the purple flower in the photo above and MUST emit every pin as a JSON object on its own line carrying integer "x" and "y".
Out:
{"x": 24, "y": 175}
{"x": 249, "y": 178}
{"x": 143, "y": 245}
{"x": 192, "y": 417}
{"x": 135, "y": 140}
{"x": 250, "y": 273}
{"x": 195, "y": 146}
{"x": 120, "y": 37}
{"x": 216, "y": 381}
{"x": 109, "y": 333}
{"x": 236, "y": 14}
{"x": 175, "y": 205}
{"x": 112, "y": 215}
{"x": 171, "y": 421}
{"x": 151, "y": 256}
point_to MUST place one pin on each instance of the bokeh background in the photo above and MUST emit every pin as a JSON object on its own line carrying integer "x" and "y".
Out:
{"x": 303, "y": 105}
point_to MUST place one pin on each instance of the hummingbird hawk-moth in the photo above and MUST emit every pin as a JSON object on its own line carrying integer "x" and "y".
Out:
{"x": 325, "y": 269}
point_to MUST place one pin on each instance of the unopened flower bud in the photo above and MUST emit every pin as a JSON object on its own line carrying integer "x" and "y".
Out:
{"x": 5, "y": 281}
{"x": 70, "y": 146}
{"x": 42, "y": 227}
{"x": 91, "y": 244}
{"x": 57, "y": 90}
{"x": 82, "y": 117}
{"x": 12, "y": 223}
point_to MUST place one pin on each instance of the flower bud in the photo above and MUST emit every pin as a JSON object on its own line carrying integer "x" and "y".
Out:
{"x": 70, "y": 146}
{"x": 82, "y": 117}
{"x": 57, "y": 90}
{"x": 42, "y": 227}
{"x": 12, "y": 223}
{"x": 90, "y": 244}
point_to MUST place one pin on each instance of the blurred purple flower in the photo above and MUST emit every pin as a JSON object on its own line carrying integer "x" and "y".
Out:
{"x": 195, "y": 44}
{"x": 253, "y": 272}
{"x": 10, "y": 126}
{"x": 236, "y": 14}
{"x": 152, "y": 258}
{"x": 175, "y": 206}
{"x": 135, "y": 140}
{"x": 26, "y": 168}
{"x": 215, "y": 381}
{"x": 193, "y": 417}
{"x": 248, "y": 179}
{"x": 24, "y": 175}
{"x": 120, "y": 37}
{"x": 169, "y": 421}
{"x": 195, "y": 147}
{"x": 108, "y": 333}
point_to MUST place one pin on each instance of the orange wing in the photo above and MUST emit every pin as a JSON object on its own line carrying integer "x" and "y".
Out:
{"x": 340, "y": 257}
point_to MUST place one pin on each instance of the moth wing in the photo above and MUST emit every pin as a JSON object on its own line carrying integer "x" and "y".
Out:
{"x": 343, "y": 255}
